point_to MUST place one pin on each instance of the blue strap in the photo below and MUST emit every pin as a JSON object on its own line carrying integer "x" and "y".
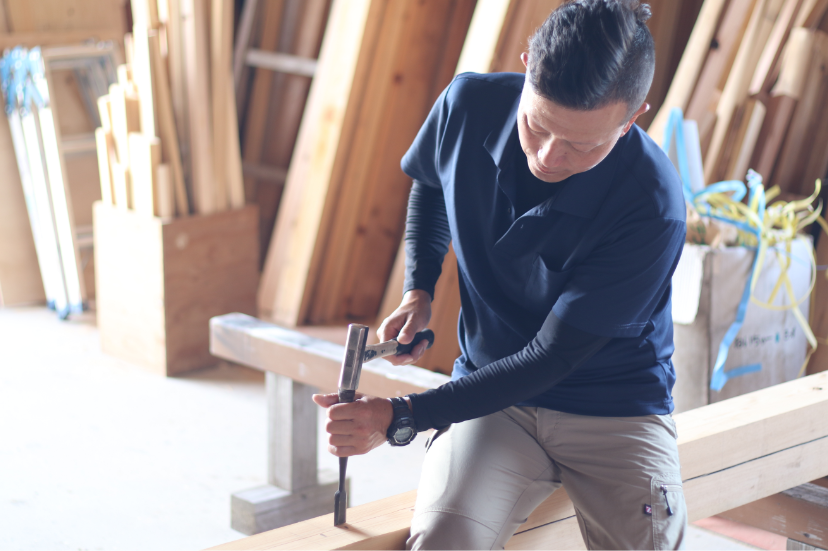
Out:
{"x": 675, "y": 124}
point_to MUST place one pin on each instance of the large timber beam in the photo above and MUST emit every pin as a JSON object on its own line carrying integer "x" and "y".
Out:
{"x": 732, "y": 453}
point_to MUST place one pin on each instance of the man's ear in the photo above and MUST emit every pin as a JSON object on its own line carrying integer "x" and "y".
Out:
{"x": 524, "y": 57}
{"x": 641, "y": 110}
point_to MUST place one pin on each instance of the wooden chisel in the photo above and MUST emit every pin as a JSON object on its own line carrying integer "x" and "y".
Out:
{"x": 356, "y": 354}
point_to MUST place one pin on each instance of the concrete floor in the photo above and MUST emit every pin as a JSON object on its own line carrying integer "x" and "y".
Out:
{"x": 97, "y": 453}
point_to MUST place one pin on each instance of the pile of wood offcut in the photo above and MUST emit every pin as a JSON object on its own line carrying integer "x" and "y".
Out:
{"x": 168, "y": 142}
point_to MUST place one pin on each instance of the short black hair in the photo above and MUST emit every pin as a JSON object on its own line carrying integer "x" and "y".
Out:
{"x": 591, "y": 53}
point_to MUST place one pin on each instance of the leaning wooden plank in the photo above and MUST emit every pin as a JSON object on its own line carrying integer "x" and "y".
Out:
{"x": 796, "y": 150}
{"x": 735, "y": 90}
{"x": 145, "y": 157}
{"x": 480, "y": 48}
{"x": 728, "y": 459}
{"x": 289, "y": 258}
{"x": 800, "y": 513}
{"x": 411, "y": 62}
{"x": 522, "y": 18}
{"x": 784, "y": 96}
{"x": 720, "y": 59}
{"x": 104, "y": 173}
{"x": 745, "y": 139}
{"x": 52, "y": 15}
{"x": 196, "y": 50}
{"x": 178, "y": 84}
{"x": 221, "y": 40}
{"x": 282, "y": 116}
{"x": 691, "y": 64}
{"x": 768, "y": 66}
{"x": 262, "y": 345}
{"x": 166, "y": 126}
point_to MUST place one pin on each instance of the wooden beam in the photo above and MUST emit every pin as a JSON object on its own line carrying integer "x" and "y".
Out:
{"x": 800, "y": 513}
{"x": 732, "y": 453}
{"x": 267, "y": 347}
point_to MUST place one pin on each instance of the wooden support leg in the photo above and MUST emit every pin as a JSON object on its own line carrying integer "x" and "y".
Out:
{"x": 295, "y": 491}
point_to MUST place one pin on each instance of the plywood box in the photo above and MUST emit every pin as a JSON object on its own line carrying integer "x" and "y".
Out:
{"x": 159, "y": 281}
{"x": 710, "y": 282}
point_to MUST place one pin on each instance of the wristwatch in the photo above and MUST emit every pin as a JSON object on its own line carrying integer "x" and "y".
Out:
{"x": 402, "y": 429}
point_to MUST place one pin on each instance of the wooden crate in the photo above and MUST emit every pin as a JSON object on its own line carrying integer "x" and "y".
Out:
{"x": 159, "y": 281}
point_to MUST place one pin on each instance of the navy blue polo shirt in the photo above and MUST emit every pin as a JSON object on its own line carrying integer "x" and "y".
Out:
{"x": 599, "y": 253}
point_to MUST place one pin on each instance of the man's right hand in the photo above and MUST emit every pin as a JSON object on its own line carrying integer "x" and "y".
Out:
{"x": 412, "y": 315}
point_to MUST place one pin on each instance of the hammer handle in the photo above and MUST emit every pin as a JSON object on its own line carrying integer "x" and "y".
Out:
{"x": 425, "y": 335}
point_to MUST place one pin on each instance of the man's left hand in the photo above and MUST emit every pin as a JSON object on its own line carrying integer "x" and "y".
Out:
{"x": 356, "y": 427}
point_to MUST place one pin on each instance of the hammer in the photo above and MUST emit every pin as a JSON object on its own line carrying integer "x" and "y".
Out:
{"x": 356, "y": 354}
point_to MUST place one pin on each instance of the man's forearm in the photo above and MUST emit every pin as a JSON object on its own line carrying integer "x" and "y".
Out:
{"x": 427, "y": 238}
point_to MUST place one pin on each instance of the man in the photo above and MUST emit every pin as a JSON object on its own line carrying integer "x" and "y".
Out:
{"x": 568, "y": 222}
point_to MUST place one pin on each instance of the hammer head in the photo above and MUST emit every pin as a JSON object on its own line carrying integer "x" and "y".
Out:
{"x": 352, "y": 363}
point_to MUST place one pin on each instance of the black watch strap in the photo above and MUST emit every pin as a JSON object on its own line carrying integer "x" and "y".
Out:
{"x": 402, "y": 429}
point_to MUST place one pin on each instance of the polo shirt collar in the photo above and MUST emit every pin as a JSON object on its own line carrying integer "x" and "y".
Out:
{"x": 580, "y": 195}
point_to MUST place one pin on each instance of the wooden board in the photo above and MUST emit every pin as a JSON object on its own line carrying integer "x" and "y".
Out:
{"x": 369, "y": 196}
{"x": 146, "y": 156}
{"x": 160, "y": 281}
{"x": 768, "y": 66}
{"x": 745, "y": 139}
{"x": 313, "y": 361}
{"x": 690, "y": 66}
{"x": 522, "y": 19}
{"x": 728, "y": 459}
{"x": 166, "y": 125}
{"x": 793, "y": 159}
{"x": 734, "y": 93}
{"x": 196, "y": 52}
{"x": 221, "y": 46}
{"x": 719, "y": 59}
{"x": 303, "y": 26}
{"x": 257, "y": 105}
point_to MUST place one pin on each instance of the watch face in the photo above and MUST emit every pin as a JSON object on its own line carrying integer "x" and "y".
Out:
{"x": 403, "y": 434}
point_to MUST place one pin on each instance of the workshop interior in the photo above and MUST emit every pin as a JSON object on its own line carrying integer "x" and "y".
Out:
{"x": 203, "y": 226}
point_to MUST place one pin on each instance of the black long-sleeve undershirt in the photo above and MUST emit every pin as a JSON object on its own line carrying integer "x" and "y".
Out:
{"x": 556, "y": 351}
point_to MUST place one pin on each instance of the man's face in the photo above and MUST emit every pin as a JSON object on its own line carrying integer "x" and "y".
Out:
{"x": 560, "y": 142}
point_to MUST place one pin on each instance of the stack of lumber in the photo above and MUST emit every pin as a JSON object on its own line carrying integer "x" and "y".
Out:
{"x": 335, "y": 254}
{"x": 174, "y": 93}
{"x": 754, "y": 78}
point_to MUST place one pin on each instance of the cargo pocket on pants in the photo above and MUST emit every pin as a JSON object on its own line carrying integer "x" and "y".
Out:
{"x": 669, "y": 513}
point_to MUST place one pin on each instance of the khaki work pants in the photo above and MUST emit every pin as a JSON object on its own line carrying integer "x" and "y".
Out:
{"x": 482, "y": 478}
